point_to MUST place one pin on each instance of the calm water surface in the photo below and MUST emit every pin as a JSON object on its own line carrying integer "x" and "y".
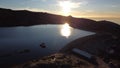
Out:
{"x": 15, "y": 40}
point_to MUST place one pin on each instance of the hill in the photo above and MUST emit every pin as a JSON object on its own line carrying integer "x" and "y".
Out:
{"x": 10, "y": 18}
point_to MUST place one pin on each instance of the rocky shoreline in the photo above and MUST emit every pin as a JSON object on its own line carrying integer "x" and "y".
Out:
{"x": 60, "y": 60}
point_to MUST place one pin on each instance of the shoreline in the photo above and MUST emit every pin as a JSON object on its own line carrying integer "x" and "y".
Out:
{"x": 66, "y": 58}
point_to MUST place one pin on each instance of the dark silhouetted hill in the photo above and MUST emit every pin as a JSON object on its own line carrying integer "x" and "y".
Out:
{"x": 99, "y": 27}
{"x": 106, "y": 27}
{"x": 10, "y": 18}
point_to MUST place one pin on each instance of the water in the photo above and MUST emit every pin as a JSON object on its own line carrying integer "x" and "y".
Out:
{"x": 19, "y": 44}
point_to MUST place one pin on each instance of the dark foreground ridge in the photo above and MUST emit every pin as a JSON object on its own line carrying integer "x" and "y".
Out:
{"x": 60, "y": 60}
{"x": 10, "y": 18}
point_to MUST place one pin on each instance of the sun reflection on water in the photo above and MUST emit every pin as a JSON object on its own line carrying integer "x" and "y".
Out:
{"x": 66, "y": 30}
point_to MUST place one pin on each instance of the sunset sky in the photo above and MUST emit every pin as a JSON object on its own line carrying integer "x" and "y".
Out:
{"x": 77, "y": 8}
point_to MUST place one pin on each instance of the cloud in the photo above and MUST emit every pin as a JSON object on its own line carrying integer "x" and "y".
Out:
{"x": 70, "y": 7}
{"x": 37, "y": 0}
{"x": 44, "y": 0}
{"x": 37, "y": 10}
{"x": 114, "y": 6}
{"x": 75, "y": 3}
{"x": 31, "y": 9}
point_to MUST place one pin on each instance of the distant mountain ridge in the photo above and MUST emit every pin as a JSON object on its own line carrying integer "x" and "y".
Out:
{"x": 9, "y": 18}
{"x": 106, "y": 27}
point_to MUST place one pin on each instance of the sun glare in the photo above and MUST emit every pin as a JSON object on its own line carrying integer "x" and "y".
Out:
{"x": 66, "y": 31}
{"x": 66, "y": 7}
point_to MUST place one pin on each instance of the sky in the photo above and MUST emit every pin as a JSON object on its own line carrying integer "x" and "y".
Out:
{"x": 76, "y": 8}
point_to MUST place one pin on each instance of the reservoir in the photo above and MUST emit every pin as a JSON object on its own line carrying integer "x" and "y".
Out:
{"x": 20, "y": 44}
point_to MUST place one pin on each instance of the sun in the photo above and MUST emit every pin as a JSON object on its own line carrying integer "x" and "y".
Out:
{"x": 66, "y": 7}
{"x": 66, "y": 30}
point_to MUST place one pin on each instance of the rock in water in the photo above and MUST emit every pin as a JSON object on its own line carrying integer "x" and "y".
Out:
{"x": 42, "y": 45}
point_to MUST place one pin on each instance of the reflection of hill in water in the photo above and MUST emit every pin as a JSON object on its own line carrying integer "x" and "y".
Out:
{"x": 26, "y": 18}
